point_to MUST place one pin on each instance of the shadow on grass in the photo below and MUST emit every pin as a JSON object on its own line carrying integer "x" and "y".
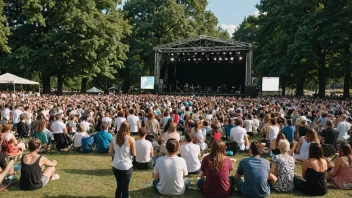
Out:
{"x": 70, "y": 196}
{"x": 152, "y": 192}
{"x": 95, "y": 172}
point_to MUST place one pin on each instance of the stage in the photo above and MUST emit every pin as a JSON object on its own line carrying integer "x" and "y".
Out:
{"x": 202, "y": 94}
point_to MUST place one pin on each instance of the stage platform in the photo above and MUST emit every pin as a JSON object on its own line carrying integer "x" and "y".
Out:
{"x": 202, "y": 94}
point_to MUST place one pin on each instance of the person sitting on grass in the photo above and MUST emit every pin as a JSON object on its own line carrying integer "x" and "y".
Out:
{"x": 238, "y": 134}
{"x": 216, "y": 134}
{"x": 341, "y": 174}
{"x": 215, "y": 179}
{"x": 9, "y": 144}
{"x": 22, "y": 126}
{"x": 103, "y": 138}
{"x": 144, "y": 155}
{"x": 313, "y": 173}
{"x": 42, "y": 133}
{"x": 171, "y": 133}
{"x": 79, "y": 135}
{"x": 32, "y": 175}
{"x": 256, "y": 173}
{"x": 191, "y": 152}
{"x": 283, "y": 167}
{"x": 5, "y": 170}
{"x": 170, "y": 172}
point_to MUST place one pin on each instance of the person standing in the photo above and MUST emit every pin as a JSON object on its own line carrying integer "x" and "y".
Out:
{"x": 121, "y": 147}
{"x": 16, "y": 116}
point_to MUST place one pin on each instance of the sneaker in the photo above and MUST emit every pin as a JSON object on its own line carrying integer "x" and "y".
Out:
{"x": 55, "y": 177}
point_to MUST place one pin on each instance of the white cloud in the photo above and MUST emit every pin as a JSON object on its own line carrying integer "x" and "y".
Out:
{"x": 229, "y": 28}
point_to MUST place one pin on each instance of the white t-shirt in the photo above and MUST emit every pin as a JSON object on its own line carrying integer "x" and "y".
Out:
{"x": 16, "y": 116}
{"x": 86, "y": 125}
{"x": 198, "y": 134}
{"x": 77, "y": 138}
{"x": 209, "y": 117}
{"x": 58, "y": 127}
{"x": 118, "y": 122}
{"x": 190, "y": 153}
{"x": 164, "y": 121}
{"x": 273, "y": 132}
{"x": 248, "y": 125}
{"x": 237, "y": 133}
{"x": 6, "y": 114}
{"x": 143, "y": 148}
{"x": 343, "y": 128}
{"x": 133, "y": 120}
{"x": 171, "y": 171}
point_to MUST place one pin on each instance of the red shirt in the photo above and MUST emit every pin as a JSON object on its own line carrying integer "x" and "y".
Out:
{"x": 216, "y": 136}
{"x": 216, "y": 184}
{"x": 176, "y": 119}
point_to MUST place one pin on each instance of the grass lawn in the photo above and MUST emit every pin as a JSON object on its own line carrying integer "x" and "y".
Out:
{"x": 90, "y": 175}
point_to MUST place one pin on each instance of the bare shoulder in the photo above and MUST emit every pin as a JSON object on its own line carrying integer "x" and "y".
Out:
{"x": 131, "y": 139}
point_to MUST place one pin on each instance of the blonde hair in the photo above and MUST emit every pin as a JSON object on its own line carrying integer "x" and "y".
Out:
{"x": 284, "y": 146}
{"x": 172, "y": 128}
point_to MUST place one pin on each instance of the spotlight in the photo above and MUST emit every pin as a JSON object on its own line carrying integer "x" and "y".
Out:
{"x": 220, "y": 59}
{"x": 215, "y": 59}
{"x": 194, "y": 59}
{"x": 202, "y": 53}
{"x": 226, "y": 59}
{"x": 238, "y": 53}
{"x": 224, "y": 52}
{"x": 172, "y": 54}
{"x": 199, "y": 59}
{"x": 189, "y": 59}
{"x": 240, "y": 58}
{"x": 230, "y": 52}
{"x": 195, "y": 53}
{"x": 172, "y": 59}
{"x": 231, "y": 58}
{"x": 212, "y": 53}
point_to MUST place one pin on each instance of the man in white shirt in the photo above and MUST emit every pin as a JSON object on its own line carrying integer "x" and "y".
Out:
{"x": 107, "y": 119}
{"x": 118, "y": 121}
{"x": 343, "y": 128}
{"x": 144, "y": 155}
{"x": 85, "y": 123}
{"x": 58, "y": 126}
{"x": 191, "y": 152}
{"x": 239, "y": 135}
{"x": 5, "y": 114}
{"x": 134, "y": 122}
{"x": 16, "y": 115}
{"x": 170, "y": 172}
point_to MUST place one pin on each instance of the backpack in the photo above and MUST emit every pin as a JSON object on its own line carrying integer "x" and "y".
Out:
{"x": 87, "y": 144}
{"x": 233, "y": 146}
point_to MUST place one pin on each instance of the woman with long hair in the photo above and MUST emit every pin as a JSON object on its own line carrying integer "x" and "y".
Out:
{"x": 171, "y": 133}
{"x": 313, "y": 172}
{"x": 198, "y": 136}
{"x": 121, "y": 148}
{"x": 274, "y": 145}
{"x": 215, "y": 179}
{"x": 304, "y": 142}
{"x": 341, "y": 174}
{"x": 9, "y": 144}
{"x": 43, "y": 134}
{"x": 152, "y": 125}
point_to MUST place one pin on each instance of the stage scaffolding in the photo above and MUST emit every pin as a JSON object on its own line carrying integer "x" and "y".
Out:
{"x": 203, "y": 44}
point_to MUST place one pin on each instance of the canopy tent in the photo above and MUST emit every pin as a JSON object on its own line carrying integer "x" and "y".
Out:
{"x": 94, "y": 90}
{"x": 114, "y": 88}
{"x": 12, "y": 79}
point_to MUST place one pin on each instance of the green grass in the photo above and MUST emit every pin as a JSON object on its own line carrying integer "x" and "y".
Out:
{"x": 90, "y": 175}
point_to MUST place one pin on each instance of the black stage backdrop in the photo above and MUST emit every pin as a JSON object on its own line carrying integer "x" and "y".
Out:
{"x": 208, "y": 74}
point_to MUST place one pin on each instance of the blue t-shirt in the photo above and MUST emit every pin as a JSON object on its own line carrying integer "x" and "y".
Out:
{"x": 256, "y": 172}
{"x": 228, "y": 129}
{"x": 289, "y": 132}
{"x": 102, "y": 140}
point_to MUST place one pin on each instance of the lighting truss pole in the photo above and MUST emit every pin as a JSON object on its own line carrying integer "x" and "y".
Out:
{"x": 249, "y": 63}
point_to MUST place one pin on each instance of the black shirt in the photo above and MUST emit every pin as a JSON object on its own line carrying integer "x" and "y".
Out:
{"x": 31, "y": 175}
{"x": 302, "y": 130}
{"x": 2, "y": 160}
{"x": 330, "y": 135}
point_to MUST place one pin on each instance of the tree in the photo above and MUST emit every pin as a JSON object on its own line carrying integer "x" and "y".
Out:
{"x": 159, "y": 22}
{"x": 67, "y": 38}
{"x": 4, "y": 31}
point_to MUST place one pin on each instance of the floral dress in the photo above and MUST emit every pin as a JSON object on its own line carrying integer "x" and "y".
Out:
{"x": 285, "y": 172}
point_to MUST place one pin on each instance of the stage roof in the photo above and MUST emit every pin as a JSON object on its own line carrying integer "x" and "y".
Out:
{"x": 203, "y": 44}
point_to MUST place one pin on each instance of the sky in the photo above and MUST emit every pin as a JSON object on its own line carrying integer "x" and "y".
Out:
{"x": 232, "y": 12}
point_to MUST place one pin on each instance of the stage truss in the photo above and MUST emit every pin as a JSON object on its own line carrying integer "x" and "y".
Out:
{"x": 203, "y": 44}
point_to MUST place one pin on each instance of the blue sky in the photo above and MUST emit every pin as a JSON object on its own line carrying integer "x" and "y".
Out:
{"x": 232, "y": 12}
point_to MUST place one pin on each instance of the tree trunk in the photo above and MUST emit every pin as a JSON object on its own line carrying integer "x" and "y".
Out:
{"x": 46, "y": 84}
{"x": 322, "y": 79}
{"x": 84, "y": 85}
{"x": 347, "y": 71}
{"x": 283, "y": 88}
{"x": 60, "y": 83}
{"x": 126, "y": 80}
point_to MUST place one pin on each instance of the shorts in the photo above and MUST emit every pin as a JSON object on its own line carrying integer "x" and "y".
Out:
{"x": 45, "y": 180}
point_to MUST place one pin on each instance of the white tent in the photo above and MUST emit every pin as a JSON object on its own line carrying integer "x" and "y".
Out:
{"x": 12, "y": 79}
{"x": 94, "y": 90}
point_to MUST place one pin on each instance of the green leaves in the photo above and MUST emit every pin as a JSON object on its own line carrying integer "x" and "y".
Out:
{"x": 4, "y": 31}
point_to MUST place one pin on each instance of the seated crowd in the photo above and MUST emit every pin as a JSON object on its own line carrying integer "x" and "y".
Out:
{"x": 181, "y": 136}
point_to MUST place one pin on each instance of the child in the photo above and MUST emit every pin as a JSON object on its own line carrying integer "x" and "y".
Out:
{"x": 77, "y": 138}
{"x": 216, "y": 135}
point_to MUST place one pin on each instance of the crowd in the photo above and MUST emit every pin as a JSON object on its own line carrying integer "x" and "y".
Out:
{"x": 179, "y": 136}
